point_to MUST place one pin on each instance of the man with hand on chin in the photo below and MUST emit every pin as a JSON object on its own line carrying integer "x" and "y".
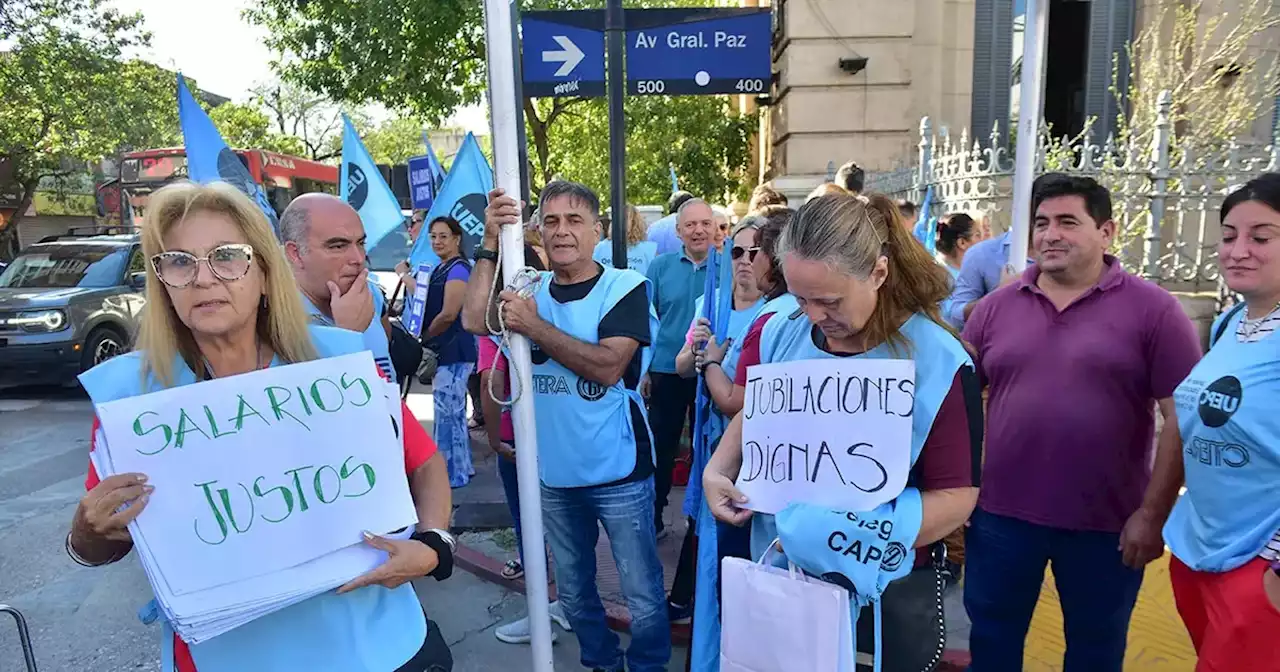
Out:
{"x": 590, "y": 327}
{"x": 324, "y": 241}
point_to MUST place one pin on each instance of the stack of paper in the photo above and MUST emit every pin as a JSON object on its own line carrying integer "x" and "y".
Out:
{"x": 264, "y": 484}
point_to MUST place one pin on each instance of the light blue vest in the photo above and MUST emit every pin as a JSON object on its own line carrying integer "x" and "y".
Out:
{"x": 1227, "y": 414}
{"x": 375, "y": 337}
{"x": 639, "y": 256}
{"x": 938, "y": 356}
{"x": 371, "y": 629}
{"x": 585, "y": 436}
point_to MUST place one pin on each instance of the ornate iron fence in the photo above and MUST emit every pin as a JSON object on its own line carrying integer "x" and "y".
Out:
{"x": 1166, "y": 193}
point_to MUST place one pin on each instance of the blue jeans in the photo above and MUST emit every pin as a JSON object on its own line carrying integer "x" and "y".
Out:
{"x": 511, "y": 487}
{"x": 449, "y": 400}
{"x": 1004, "y": 569}
{"x": 572, "y": 517}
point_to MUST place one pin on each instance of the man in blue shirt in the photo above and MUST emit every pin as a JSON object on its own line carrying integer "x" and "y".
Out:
{"x": 985, "y": 269}
{"x": 663, "y": 231}
{"x": 677, "y": 279}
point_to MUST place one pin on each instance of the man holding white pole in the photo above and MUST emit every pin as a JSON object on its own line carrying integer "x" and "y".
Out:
{"x": 590, "y": 328}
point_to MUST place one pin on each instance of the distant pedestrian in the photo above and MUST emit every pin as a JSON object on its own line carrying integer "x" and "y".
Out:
{"x": 1225, "y": 531}
{"x": 851, "y": 177}
{"x": 910, "y": 213}
{"x": 663, "y": 232}
{"x": 678, "y": 280}
{"x": 763, "y": 196}
{"x": 956, "y": 233}
{"x": 640, "y": 250}
{"x": 1077, "y": 353}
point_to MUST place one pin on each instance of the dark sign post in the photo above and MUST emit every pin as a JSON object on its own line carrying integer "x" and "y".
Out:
{"x": 671, "y": 52}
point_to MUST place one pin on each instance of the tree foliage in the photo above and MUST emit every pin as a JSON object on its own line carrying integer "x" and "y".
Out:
{"x": 246, "y": 125}
{"x": 69, "y": 97}
{"x": 705, "y": 141}
{"x": 312, "y": 120}
{"x": 427, "y": 59}
{"x": 1212, "y": 62}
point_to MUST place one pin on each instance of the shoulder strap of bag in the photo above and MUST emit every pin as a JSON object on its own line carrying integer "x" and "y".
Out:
{"x": 1226, "y": 321}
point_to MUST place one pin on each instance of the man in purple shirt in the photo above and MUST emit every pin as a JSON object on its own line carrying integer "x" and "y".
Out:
{"x": 1077, "y": 353}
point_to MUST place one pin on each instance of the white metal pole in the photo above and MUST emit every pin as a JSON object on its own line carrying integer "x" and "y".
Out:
{"x": 504, "y": 114}
{"x": 1030, "y": 111}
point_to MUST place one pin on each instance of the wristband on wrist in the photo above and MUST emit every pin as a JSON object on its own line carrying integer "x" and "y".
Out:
{"x": 486, "y": 254}
{"x": 442, "y": 543}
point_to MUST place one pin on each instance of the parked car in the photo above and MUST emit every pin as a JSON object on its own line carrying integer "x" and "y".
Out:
{"x": 68, "y": 303}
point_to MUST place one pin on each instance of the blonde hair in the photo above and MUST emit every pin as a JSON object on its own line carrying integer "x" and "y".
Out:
{"x": 849, "y": 233}
{"x": 282, "y": 320}
{"x": 637, "y": 228}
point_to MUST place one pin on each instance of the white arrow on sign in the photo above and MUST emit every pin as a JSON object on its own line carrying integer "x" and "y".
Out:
{"x": 569, "y": 56}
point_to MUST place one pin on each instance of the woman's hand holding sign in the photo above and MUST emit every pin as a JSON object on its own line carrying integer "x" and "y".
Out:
{"x": 724, "y": 499}
{"x": 406, "y": 560}
{"x": 106, "y": 510}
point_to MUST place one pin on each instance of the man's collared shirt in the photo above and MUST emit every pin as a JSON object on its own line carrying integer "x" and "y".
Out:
{"x": 677, "y": 282}
{"x": 1071, "y": 418}
{"x": 979, "y": 276}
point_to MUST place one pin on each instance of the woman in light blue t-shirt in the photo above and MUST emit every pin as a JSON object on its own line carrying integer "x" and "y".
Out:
{"x": 956, "y": 233}
{"x": 640, "y": 250}
{"x": 1224, "y": 531}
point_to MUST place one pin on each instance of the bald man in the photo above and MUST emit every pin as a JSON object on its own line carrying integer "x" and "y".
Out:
{"x": 324, "y": 240}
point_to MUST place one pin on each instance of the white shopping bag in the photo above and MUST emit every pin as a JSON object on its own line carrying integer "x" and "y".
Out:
{"x": 779, "y": 620}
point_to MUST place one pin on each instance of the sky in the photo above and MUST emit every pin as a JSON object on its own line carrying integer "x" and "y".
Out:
{"x": 226, "y": 55}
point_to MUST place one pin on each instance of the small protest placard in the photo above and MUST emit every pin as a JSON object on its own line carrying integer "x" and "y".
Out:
{"x": 416, "y": 303}
{"x": 263, "y": 471}
{"x": 835, "y": 432}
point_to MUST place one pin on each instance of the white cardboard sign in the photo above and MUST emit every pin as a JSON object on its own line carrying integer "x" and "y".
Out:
{"x": 834, "y": 432}
{"x": 263, "y": 471}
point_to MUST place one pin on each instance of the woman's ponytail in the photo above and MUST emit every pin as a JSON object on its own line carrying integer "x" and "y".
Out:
{"x": 916, "y": 283}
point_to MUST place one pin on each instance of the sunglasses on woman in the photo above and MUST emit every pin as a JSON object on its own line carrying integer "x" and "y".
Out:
{"x": 227, "y": 262}
{"x": 749, "y": 251}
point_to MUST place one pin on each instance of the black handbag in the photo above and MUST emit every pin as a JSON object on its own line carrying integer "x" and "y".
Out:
{"x": 406, "y": 351}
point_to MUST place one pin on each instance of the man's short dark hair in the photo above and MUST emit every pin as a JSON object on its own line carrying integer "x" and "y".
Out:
{"x": 764, "y": 195}
{"x": 1097, "y": 199}
{"x": 677, "y": 199}
{"x": 851, "y": 177}
{"x": 907, "y": 208}
{"x": 579, "y": 193}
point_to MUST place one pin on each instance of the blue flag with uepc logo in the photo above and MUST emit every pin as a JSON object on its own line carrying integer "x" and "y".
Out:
{"x": 362, "y": 185}
{"x": 209, "y": 159}
{"x": 463, "y": 197}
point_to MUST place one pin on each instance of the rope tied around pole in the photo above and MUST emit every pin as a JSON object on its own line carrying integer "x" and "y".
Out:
{"x": 525, "y": 283}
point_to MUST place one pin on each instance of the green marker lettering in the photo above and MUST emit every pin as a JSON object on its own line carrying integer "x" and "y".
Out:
{"x": 276, "y": 405}
{"x": 320, "y": 488}
{"x": 241, "y": 415}
{"x": 217, "y": 515}
{"x": 320, "y": 403}
{"x": 231, "y": 514}
{"x": 297, "y": 484}
{"x": 364, "y": 387}
{"x": 369, "y": 475}
{"x": 138, "y": 430}
{"x": 183, "y": 430}
{"x": 302, "y": 396}
{"x": 213, "y": 424}
{"x": 284, "y": 492}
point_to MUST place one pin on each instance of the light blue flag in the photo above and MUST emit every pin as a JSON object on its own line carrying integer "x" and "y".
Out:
{"x": 208, "y": 157}
{"x": 463, "y": 197}
{"x": 675, "y": 183}
{"x": 926, "y": 230}
{"x": 361, "y": 183}
{"x": 437, "y": 170}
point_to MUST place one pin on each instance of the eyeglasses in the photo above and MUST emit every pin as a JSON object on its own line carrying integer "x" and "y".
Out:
{"x": 227, "y": 262}
{"x": 749, "y": 251}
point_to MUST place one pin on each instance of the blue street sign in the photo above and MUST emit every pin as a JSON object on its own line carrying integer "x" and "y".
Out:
{"x": 692, "y": 52}
{"x": 563, "y": 53}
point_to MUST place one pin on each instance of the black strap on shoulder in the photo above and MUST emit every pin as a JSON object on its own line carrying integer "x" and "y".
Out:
{"x": 1226, "y": 321}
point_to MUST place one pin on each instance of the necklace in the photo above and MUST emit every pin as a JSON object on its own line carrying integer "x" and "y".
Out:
{"x": 260, "y": 364}
{"x": 1249, "y": 326}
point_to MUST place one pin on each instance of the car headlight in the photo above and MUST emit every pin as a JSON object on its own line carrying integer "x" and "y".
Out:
{"x": 40, "y": 320}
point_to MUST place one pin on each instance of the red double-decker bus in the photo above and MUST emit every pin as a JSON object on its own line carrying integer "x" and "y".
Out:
{"x": 282, "y": 177}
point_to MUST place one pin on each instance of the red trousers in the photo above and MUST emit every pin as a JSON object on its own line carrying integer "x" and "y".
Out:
{"x": 1232, "y": 623}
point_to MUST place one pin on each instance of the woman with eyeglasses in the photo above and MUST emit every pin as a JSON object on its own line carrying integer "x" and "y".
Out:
{"x": 221, "y": 301}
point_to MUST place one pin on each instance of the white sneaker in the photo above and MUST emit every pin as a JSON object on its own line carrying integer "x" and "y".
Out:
{"x": 518, "y": 632}
{"x": 557, "y": 615}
